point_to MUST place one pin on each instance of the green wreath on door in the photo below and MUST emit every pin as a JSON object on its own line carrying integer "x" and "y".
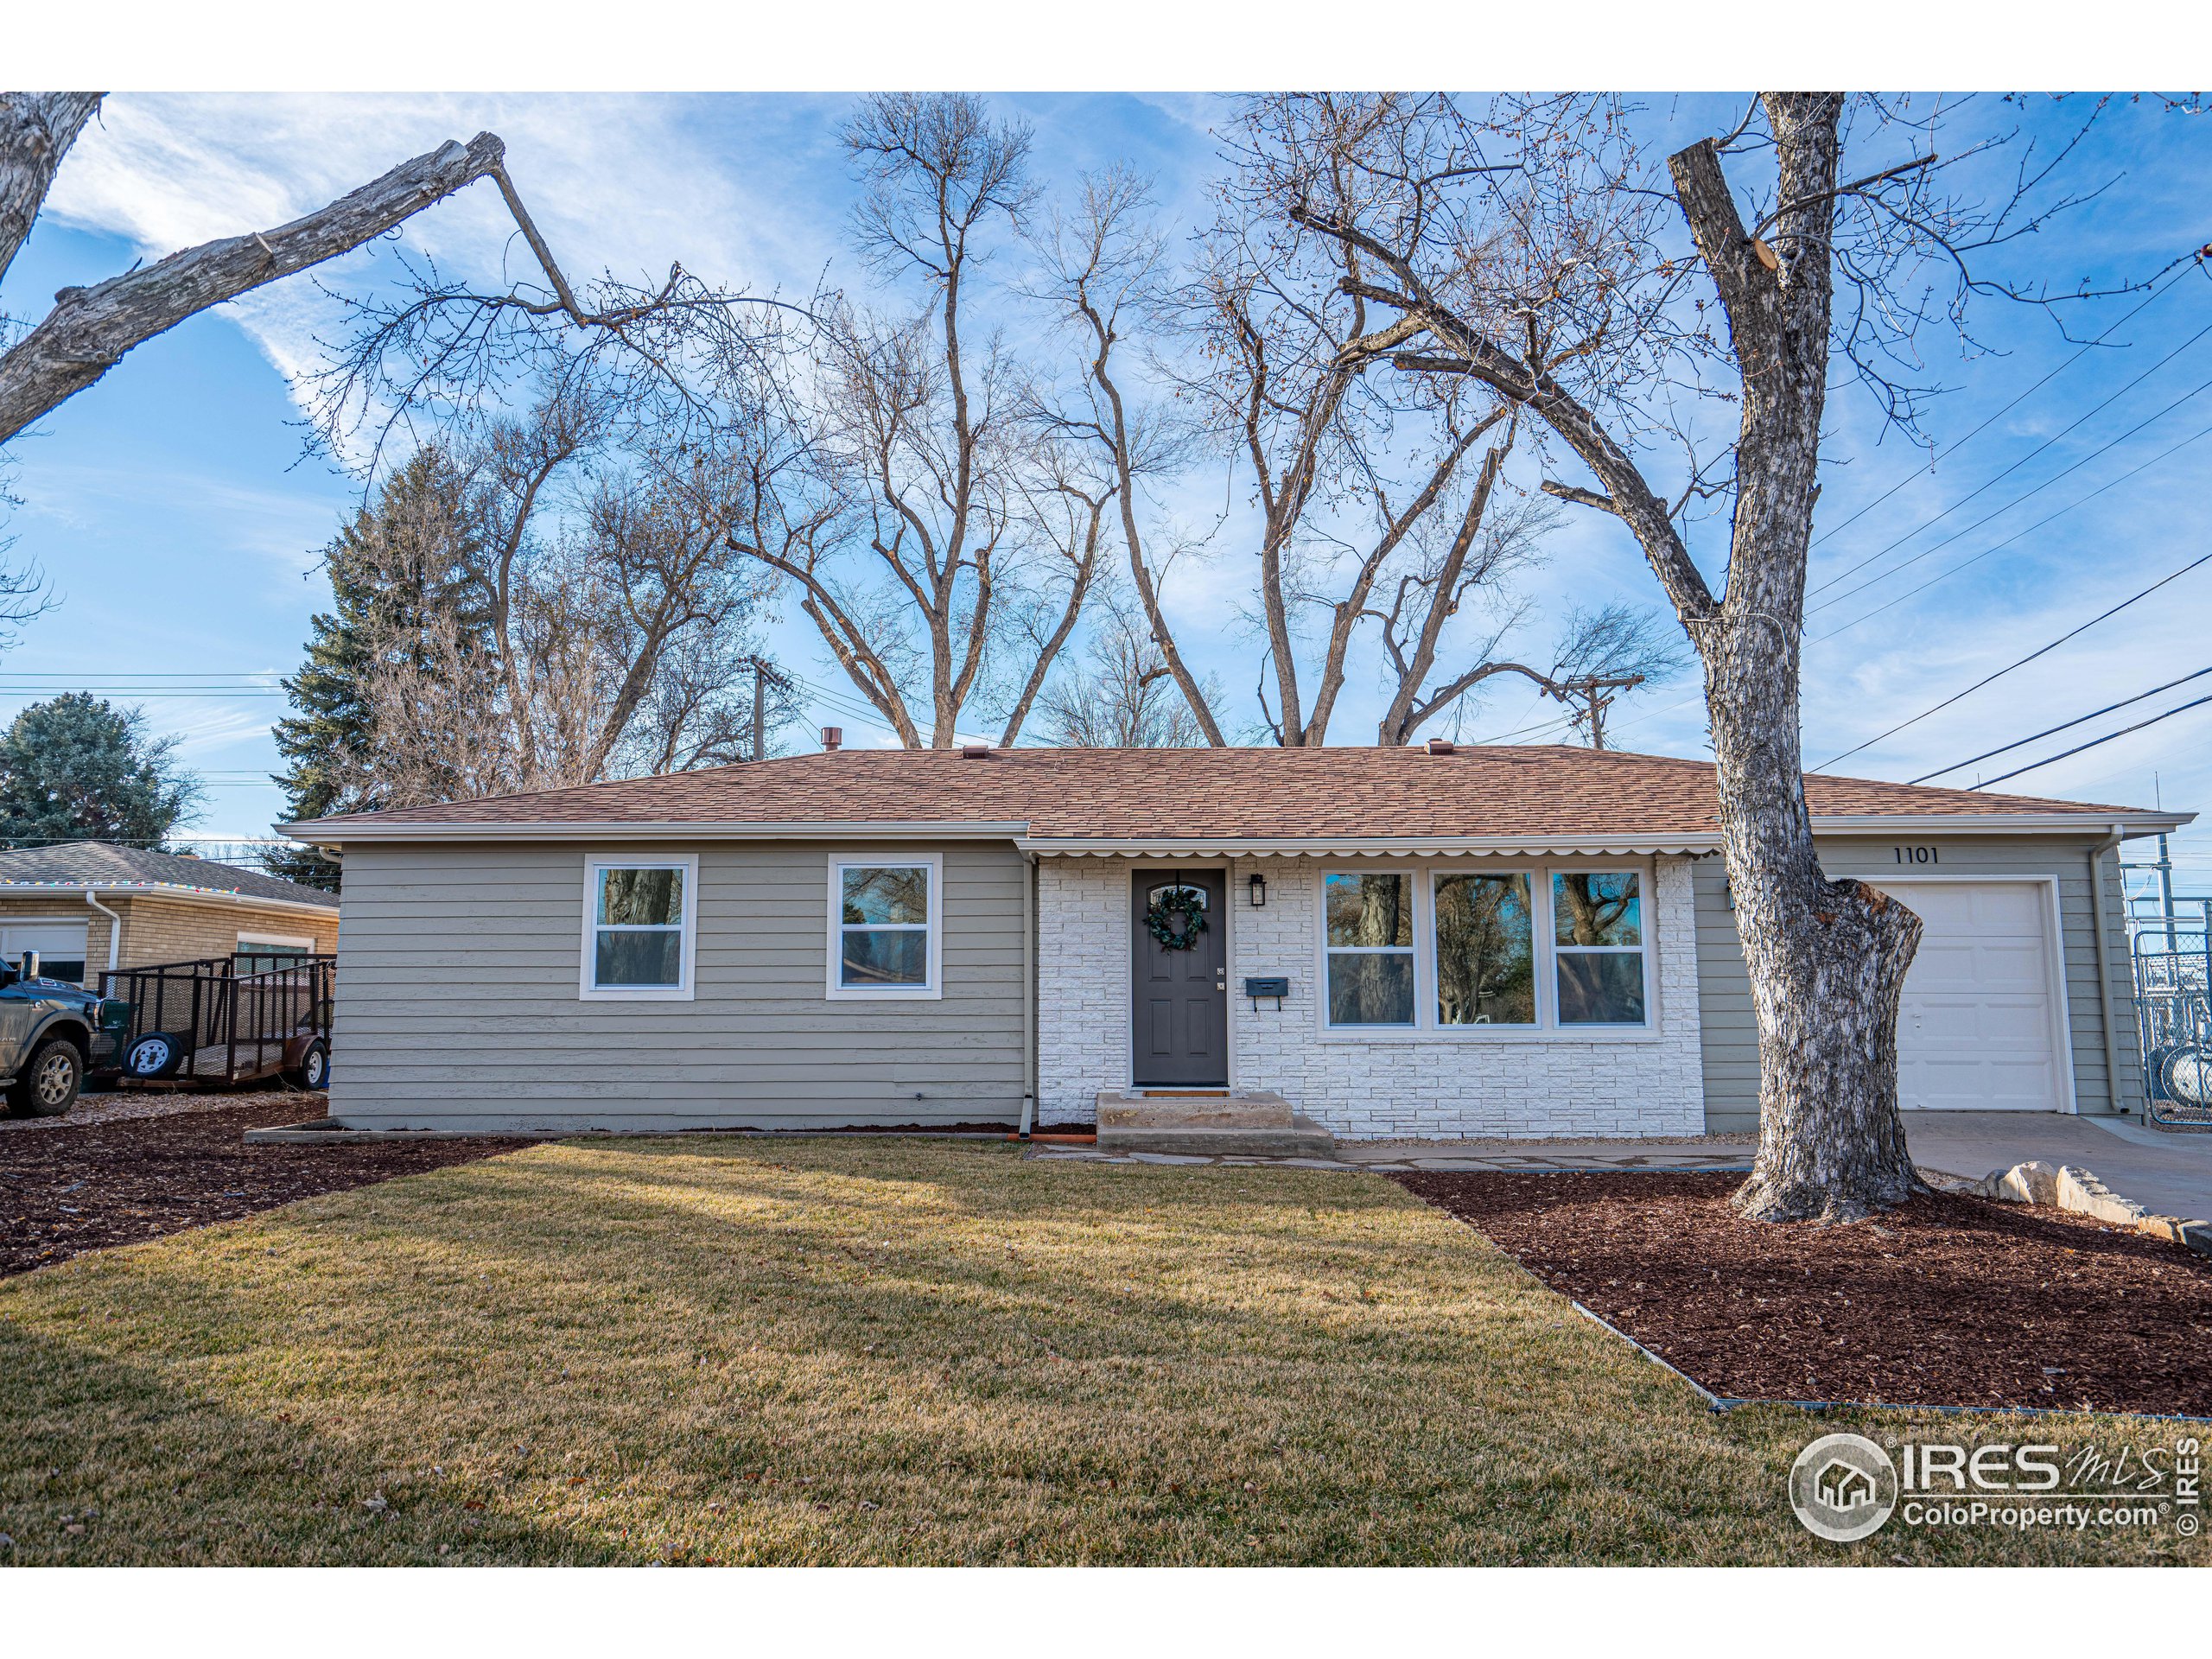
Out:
{"x": 1187, "y": 903}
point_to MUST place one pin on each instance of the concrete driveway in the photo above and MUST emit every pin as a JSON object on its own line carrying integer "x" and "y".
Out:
{"x": 2170, "y": 1174}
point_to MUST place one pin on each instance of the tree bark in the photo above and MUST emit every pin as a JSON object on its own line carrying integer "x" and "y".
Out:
{"x": 89, "y": 329}
{"x": 1828, "y": 959}
{"x": 36, "y": 130}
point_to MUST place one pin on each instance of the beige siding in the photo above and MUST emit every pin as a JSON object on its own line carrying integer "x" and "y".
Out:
{"x": 1731, "y": 1061}
{"x": 458, "y": 998}
{"x": 169, "y": 930}
{"x": 182, "y": 930}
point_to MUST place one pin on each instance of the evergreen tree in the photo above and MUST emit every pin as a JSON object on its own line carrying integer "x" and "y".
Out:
{"x": 79, "y": 768}
{"x": 404, "y": 568}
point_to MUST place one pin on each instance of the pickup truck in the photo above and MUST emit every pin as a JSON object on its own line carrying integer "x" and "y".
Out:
{"x": 48, "y": 1033}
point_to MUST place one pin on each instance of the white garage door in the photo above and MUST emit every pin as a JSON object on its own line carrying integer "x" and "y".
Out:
{"x": 61, "y": 947}
{"x": 1977, "y": 1029}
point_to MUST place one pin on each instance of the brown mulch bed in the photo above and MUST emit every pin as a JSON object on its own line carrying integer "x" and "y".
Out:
{"x": 1948, "y": 1300}
{"x": 87, "y": 1186}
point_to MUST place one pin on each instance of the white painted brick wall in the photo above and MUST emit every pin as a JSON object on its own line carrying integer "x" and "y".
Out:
{"x": 1083, "y": 984}
{"x": 1555, "y": 1084}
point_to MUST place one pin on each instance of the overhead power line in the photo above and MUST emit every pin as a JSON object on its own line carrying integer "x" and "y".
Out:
{"x": 1944, "y": 575}
{"x": 2026, "y": 495}
{"x": 2178, "y": 709}
{"x": 2051, "y": 731}
{"x": 2078, "y": 420}
{"x": 2156, "y": 293}
{"x": 2041, "y": 651}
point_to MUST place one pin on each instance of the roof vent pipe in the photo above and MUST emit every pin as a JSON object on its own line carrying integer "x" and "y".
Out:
{"x": 975, "y": 751}
{"x": 1439, "y": 745}
{"x": 832, "y": 736}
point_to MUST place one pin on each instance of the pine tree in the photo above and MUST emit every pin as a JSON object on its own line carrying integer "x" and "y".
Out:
{"x": 79, "y": 768}
{"x": 406, "y": 562}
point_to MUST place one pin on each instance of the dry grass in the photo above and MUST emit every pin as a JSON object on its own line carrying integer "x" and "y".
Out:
{"x": 850, "y": 1351}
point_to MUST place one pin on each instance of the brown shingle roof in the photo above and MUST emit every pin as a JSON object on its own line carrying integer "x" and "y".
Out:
{"x": 1207, "y": 794}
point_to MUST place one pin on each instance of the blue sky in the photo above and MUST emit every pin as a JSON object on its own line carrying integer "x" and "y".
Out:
{"x": 180, "y": 526}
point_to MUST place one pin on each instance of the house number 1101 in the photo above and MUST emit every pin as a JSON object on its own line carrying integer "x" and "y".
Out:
{"x": 1915, "y": 855}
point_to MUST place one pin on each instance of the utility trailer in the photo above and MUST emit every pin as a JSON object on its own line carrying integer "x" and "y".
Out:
{"x": 221, "y": 1021}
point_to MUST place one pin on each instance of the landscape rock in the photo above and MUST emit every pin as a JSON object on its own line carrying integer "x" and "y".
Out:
{"x": 2034, "y": 1182}
{"x": 2082, "y": 1192}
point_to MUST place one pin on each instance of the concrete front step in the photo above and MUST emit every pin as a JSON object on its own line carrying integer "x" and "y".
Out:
{"x": 1254, "y": 1110}
{"x": 1257, "y": 1125}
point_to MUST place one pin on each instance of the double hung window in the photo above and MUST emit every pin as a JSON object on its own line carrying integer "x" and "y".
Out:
{"x": 885, "y": 926}
{"x": 637, "y": 926}
{"x": 1598, "y": 932}
{"x": 1371, "y": 948}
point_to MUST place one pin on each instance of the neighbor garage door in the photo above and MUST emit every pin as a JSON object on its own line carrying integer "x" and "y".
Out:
{"x": 61, "y": 947}
{"x": 1978, "y": 1030}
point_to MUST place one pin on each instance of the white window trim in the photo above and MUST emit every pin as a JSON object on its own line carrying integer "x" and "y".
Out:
{"x": 1414, "y": 882}
{"x": 594, "y": 863}
{"x": 280, "y": 941}
{"x": 1641, "y": 949}
{"x": 1547, "y": 1028}
{"x": 837, "y": 992}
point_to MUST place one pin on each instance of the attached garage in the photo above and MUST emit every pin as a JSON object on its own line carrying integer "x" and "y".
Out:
{"x": 2019, "y": 999}
{"x": 1981, "y": 1028}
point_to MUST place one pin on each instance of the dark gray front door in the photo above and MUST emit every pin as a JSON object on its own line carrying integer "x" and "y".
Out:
{"x": 1182, "y": 996}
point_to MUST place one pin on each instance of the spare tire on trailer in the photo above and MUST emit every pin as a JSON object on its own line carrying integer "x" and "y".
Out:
{"x": 154, "y": 1057}
{"x": 312, "y": 1069}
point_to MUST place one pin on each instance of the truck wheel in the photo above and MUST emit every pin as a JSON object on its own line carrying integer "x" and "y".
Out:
{"x": 312, "y": 1070}
{"x": 48, "y": 1084}
{"x": 155, "y": 1055}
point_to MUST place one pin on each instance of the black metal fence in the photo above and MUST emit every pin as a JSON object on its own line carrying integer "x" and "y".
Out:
{"x": 232, "y": 1018}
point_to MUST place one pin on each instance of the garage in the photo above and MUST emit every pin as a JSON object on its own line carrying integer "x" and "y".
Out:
{"x": 1979, "y": 1029}
{"x": 61, "y": 947}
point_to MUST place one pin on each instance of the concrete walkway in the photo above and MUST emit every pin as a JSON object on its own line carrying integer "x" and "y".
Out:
{"x": 2168, "y": 1173}
{"x": 1695, "y": 1153}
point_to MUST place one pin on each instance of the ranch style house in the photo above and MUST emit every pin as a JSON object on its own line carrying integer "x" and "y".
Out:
{"x": 1431, "y": 941}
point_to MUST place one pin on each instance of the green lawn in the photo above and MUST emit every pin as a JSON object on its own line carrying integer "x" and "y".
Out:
{"x": 872, "y": 1352}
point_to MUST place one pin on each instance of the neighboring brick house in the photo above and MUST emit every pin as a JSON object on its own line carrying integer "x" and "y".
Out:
{"x": 88, "y": 907}
{"x": 1532, "y": 941}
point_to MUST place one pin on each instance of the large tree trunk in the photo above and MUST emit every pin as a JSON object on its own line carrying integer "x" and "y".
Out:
{"x": 1826, "y": 959}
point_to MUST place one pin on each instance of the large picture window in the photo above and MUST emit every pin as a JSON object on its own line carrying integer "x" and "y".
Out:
{"x": 885, "y": 926}
{"x": 1598, "y": 932}
{"x": 1370, "y": 948}
{"x": 1486, "y": 951}
{"x": 637, "y": 926}
{"x": 1460, "y": 947}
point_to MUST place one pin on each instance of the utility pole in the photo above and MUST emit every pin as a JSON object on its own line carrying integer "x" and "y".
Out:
{"x": 759, "y": 706}
{"x": 1595, "y": 694}
{"x": 2166, "y": 893}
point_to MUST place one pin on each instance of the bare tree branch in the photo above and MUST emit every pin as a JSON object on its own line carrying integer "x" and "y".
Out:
{"x": 90, "y": 329}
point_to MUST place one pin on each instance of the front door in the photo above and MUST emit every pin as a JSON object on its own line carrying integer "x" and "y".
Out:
{"x": 1181, "y": 995}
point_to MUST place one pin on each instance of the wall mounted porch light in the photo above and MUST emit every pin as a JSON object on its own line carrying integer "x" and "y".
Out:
{"x": 1259, "y": 891}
